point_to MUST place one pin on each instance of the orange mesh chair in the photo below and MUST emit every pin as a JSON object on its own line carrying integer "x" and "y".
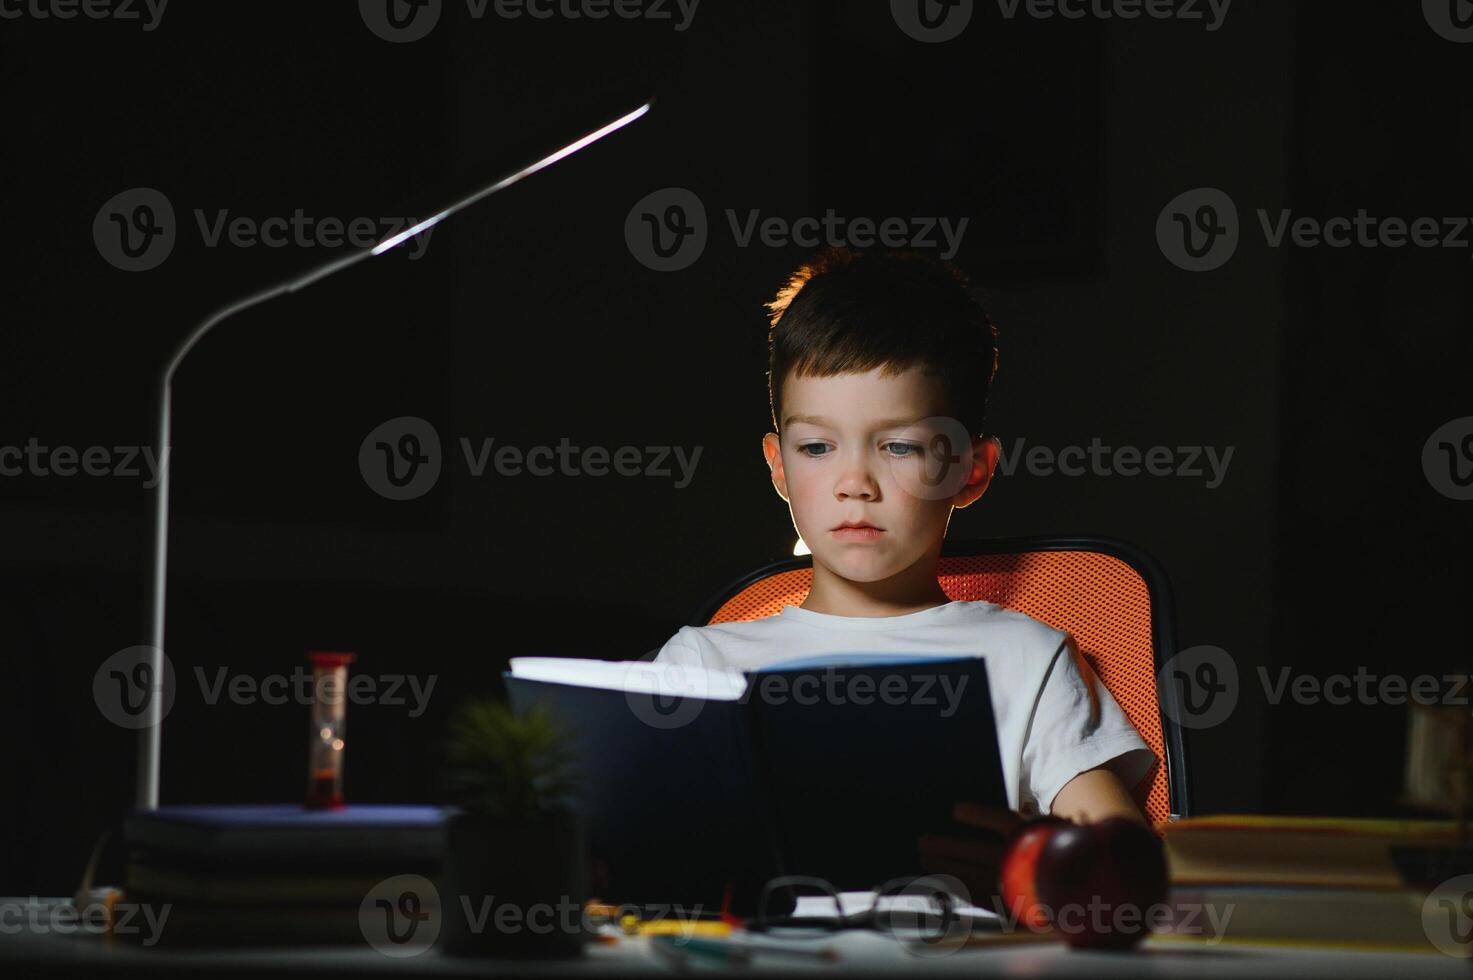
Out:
{"x": 1112, "y": 598}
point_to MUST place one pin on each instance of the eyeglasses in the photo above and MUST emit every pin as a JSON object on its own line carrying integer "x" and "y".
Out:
{"x": 918, "y": 908}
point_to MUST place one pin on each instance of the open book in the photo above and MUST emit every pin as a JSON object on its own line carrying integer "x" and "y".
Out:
{"x": 696, "y": 782}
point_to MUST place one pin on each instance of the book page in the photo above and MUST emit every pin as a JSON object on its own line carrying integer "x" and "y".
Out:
{"x": 634, "y": 677}
{"x": 853, "y": 903}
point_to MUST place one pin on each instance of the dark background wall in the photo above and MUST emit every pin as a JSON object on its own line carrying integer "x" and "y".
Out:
{"x": 529, "y": 320}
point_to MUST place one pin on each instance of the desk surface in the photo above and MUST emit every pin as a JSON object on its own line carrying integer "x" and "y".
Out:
{"x": 49, "y": 954}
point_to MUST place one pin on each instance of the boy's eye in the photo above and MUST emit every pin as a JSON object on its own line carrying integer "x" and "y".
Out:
{"x": 900, "y": 450}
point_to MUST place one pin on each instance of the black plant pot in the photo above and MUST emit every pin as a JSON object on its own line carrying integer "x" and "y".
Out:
{"x": 515, "y": 890}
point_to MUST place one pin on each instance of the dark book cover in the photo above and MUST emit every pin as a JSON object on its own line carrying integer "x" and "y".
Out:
{"x": 812, "y": 771}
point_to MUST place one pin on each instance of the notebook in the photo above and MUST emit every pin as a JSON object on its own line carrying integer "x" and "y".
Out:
{"x": 696, "y": 782}
{"x": 1341, "y": 852}
{"x": 289, "y": 837}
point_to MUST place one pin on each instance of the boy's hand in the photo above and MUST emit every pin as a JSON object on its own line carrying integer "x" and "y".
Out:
{"x": 973, "y": 855}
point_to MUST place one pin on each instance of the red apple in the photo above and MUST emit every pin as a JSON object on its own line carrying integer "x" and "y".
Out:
{"x": 1100, "y": 881}
{"x": 1018, "y": 875}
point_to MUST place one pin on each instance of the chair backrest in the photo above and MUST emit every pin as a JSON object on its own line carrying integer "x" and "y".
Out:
{"x": 1114, "y": 600}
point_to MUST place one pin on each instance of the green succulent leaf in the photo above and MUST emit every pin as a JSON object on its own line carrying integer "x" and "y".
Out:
{"x": 509, "y": 766}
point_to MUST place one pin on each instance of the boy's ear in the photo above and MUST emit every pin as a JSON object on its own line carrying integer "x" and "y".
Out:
{"x": 772, "y": 450}
{"x": 985, "y": 451}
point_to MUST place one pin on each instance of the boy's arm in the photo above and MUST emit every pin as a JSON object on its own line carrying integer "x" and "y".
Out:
{"x": 1094, "y": 795}
{"x": 1091, "y": 796}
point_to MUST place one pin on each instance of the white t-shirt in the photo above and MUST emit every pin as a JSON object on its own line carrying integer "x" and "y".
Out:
{"x": 1054, "y": 717}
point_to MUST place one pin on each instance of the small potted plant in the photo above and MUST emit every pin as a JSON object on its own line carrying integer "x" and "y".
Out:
{"x": 516, "y": 863}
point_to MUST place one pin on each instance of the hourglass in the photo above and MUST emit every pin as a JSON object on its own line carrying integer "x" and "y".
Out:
{"x": 325, "y": 739}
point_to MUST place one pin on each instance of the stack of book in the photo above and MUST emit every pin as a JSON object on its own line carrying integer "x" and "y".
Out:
{"x": 273, "y": 874}
{"x": 1385, "y": 884}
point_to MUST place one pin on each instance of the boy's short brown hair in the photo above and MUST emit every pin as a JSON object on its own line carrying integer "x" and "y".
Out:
{"x": 849, "y": 310}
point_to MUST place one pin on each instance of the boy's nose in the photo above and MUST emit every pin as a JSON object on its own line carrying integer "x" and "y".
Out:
{"x": 857, "y": 483}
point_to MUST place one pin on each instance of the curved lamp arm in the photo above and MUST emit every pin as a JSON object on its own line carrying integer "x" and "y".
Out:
{"x": 151, "y": 737}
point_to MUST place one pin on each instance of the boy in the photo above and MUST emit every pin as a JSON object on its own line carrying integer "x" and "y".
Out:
{"x": 880, "y": 364}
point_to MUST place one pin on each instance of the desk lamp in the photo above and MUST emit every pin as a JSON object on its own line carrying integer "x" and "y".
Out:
{"x": 150, "y": 738}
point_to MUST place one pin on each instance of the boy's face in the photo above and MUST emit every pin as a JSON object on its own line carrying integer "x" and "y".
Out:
{"x": 875, "y": 448}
